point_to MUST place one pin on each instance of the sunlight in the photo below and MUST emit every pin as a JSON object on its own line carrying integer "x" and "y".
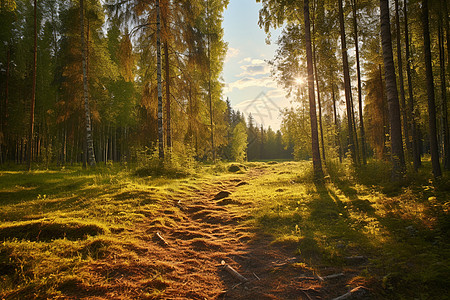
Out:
{"x": 301, "y": 81}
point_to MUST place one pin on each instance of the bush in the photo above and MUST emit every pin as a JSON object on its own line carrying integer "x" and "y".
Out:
{"x": 175, "y": 164}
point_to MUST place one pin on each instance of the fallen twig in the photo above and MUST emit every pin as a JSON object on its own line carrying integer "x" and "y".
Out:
{"x": 236, "y": 285}
{"x": 162, "y": 239}
{"x": 306, "y": 294}
{"x": 233, "y": 272}
{"x": 256, "y": 276}
{"x": 359, "y": 291}
{"x": 332, "y": 276}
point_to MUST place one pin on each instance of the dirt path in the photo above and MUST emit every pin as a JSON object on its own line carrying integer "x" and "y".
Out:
{"x": 183, "y": 259}
{"x": 210, "y": 232}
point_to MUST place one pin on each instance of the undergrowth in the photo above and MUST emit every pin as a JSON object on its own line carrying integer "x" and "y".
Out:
{"x": 69, "y": 231}
{"x": 401, "y": 230}
{"x": 57, "y": 224}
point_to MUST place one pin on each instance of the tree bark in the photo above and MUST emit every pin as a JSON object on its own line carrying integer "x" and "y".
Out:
{"x": 33, "y": 93}
{"x": 430, "y": 90}
{"x": 413, "y": 125}
{"x": 159, "y": 84}
{"x": 319, "y": 104}
{"x": 5, "y": 108}
{"x": 447, "y": 32}
{"x": 358, "y": 72}
{"x": 397, "y": 156}
{"x": 211, "y": 117}
{"x": 444, "y": 111}
{"x": 167, "y": 78}
{"x": 401, "y": 81}
{"x": 85, "y": 145}
{"x": 347, "y": 84}
{"x": 89, "y": 140}
{"x": 317, "y": 163}
{"x": 336, "y": 123}
{"x": 384, "y": 112}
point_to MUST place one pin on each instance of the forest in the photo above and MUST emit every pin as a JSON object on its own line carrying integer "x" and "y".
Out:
{"x": 126, "y": 173}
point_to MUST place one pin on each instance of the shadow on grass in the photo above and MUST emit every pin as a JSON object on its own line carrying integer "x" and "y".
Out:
{"x": 22, "y": 187}
{"x": 42, "y": 230}
{"x": 404, "y": 256}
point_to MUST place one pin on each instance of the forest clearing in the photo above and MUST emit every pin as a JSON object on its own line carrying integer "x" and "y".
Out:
{"x": 109, "y": 234}
{"x": 224, "y": 149}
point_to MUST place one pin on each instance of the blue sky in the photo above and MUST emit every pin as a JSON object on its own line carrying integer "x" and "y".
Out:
{"x": 248, "y": 83}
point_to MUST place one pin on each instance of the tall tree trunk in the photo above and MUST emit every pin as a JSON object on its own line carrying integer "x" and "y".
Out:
{"x": 397, "y": 156}
{"x": 401, "y": 81}
{"x": 319, "y": 104}
{"x": 444, "y": 112}
{"x": 336, "y": 123}
{"x": 5, "y": 107}
{"x": 188, "y": 136}
{"x": 413, "y": 125}
{"x": 211, "y": 117}
{"x": 347, "y": 85}
{"x": 111, "y": 153}
{"x": 355, "y": 134}
{"x": 89, "y": 140}
{"x": 384, "y": 112}
{"x": 447, "y": 32}
{"x": 85, "y": 144}
{"x": 167, "y": 77}
{"x": 158, "y": 78}
{"x": 317, "y": 163}
{"x": 33, "y": 92}
{"x": 113, "y": 143}
{"x": 358, "y": 72}
{"x": 65, "y": 145}
{"x": 430, "y": 90}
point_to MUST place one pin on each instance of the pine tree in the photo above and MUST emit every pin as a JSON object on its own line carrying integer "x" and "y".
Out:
{"x": 430, "y": 90}
{"x": 317, "y": 163}
{"x": 347, "y": 85}
{"x": 33, "y": 93}
{"x": 397, "y": 157}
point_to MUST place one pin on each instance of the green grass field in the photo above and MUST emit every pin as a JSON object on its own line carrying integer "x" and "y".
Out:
{"x": 73, "y": 233}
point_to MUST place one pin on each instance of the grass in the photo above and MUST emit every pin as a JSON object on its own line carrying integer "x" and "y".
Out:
{"x": 72, "y": 231}
{"x": 57, "y": 223}
{"x": 402, "y": 229}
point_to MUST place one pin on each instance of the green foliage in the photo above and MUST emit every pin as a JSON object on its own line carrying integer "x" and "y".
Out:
{"x": 296, "y": 131}
{"x": 8, "y": 5}
{"x": 239, "y": 143}
{"x": 174, "y": 166}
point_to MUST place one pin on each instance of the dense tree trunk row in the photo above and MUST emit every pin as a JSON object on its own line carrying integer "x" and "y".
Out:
{"x": 396, "y": 118}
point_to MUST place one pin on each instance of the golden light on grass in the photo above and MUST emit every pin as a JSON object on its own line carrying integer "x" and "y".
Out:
{"x": 97, "y": 231}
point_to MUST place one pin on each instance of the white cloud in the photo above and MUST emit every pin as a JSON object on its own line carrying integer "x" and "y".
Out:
{"x": 247, "y": 82}
{"x": 253, "y": 67}
{"x": 232, "y": 52}
{"x": 245, "y": 60}
{"x": 253, "y": 61}
{"x": 256, "y": 69}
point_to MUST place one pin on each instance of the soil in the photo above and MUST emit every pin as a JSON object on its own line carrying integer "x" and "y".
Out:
{"x": 190, "y": 258}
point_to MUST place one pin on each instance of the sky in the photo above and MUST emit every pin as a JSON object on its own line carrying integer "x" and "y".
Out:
{"x": 246, "y": 73}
